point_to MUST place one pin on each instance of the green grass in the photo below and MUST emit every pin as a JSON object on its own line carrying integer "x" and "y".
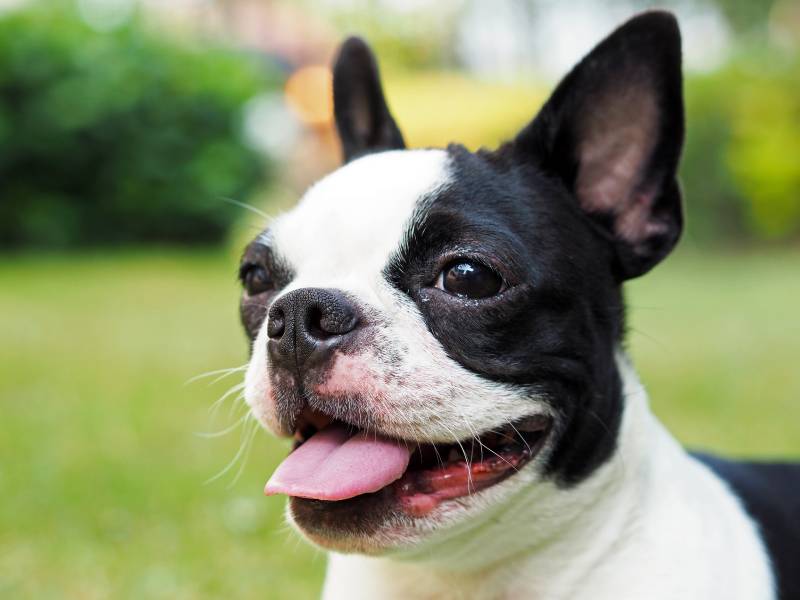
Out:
{"x": 102, "y": 489}
{"x": 716, "y": 340}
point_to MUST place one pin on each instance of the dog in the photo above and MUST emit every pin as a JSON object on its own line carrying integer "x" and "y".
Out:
{"x": 441, "y": 333}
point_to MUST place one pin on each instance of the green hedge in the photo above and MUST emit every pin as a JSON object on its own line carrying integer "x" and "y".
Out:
{"x": 741, "y": 168}
{"x": 119, "y": 137}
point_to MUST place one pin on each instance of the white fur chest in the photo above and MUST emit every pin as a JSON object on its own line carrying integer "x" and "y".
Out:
{"x": 652, "y": 523}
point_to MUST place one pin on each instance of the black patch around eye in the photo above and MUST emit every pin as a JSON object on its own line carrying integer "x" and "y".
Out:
{"x": 469, "y": 279}
{"x": 559, "y": 322}
{"x": 256, "y": 279}
{"x": 262, "y": 274}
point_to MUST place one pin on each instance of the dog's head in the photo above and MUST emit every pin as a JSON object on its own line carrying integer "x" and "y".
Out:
{"x": 437, "y": 328}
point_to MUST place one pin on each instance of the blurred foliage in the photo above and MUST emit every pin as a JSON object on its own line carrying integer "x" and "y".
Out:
{"x": 118, "y": 136}
{"x": 764, "y": 156}
{"x": 741, "y": 171}
{"x": 128, "y": 136}
{"x": 745, "y": 16}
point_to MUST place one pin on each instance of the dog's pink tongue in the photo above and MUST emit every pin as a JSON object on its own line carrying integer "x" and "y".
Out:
{"x": 332, "y": 465}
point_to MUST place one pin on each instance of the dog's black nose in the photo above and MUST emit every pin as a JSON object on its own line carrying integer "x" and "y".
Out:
{"x": 305, "y": 326}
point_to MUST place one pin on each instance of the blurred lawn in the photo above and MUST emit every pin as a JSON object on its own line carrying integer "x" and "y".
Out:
{"x": 101, "y": 476}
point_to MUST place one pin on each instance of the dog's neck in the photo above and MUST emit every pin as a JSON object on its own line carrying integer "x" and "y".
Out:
{"x": 553, "y": 539}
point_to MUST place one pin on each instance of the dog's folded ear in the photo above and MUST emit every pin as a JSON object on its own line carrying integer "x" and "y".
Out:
{"x": 613, "y": 132}
{"x": 362, "y": 117}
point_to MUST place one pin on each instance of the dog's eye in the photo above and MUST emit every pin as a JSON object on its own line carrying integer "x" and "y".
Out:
{"x": 469, "y": 279}
{"x": 256, "y": 279}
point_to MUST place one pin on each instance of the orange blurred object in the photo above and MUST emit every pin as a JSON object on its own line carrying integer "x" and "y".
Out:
{"x": 309, "y": 95}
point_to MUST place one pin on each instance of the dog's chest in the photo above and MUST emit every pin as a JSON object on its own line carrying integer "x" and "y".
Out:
{"x": 680, "y": 533}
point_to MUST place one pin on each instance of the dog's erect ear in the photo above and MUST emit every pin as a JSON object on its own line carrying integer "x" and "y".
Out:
{"x": 362, "y": 117}
{"x": 613, "y": 132}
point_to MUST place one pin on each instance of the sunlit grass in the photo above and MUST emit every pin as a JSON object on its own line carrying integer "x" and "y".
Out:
{"x": 102, "y": 477}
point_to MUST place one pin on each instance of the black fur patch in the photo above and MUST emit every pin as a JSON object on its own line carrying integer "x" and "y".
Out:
{"x": 253, "y": 309}
{"x": 558, "y": 323}
{"x": 362, "y": 116}
{"x": 770, "y": 493}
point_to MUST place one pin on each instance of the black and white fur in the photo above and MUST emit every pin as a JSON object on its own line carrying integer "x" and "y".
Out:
{"x": 584, "y": 198}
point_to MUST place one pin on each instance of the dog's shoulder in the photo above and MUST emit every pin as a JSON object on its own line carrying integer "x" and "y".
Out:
{"x": 770, "y": 492}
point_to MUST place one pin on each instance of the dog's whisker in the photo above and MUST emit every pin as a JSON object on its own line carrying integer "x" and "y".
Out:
{"x": 473, "y": 432}
{"x": 470, "y": 485}
{"x": 230, "y": 392}
{"x": 648, "y": 337}
{"x": 521, "y": 437}
{"x": 237, "y": 456}
{"x": 236, "y": 403}
{"x": 221, "y": 432}
{"x": 222, "y": 372}
{"x": 476, "y": 437}
{"x": 505, "y": 460}
{"x": 246, "y": 206}
{"x": 248, "y": 444}
{"x": 432, "y": 444}
{"x": 224, "y": 376}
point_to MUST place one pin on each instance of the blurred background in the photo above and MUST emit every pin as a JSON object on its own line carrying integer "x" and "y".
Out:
{"x": 140, "y": 141}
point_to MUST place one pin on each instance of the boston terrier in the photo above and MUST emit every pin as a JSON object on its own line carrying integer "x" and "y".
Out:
{"x": 441, "y": 334}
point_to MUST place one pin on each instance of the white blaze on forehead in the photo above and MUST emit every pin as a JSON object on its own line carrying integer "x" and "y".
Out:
{"x": 348, "y": 225}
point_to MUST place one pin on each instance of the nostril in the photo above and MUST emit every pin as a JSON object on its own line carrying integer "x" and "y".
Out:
{"x": 314, "y": 323}
{"x": 338, "y": 323}
{"x": 330, "y": 320}
{"x": 322, "y": 325}
{"x": 277, "y": 324}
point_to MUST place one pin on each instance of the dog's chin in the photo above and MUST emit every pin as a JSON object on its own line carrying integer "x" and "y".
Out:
{"x": 439, "y": 491}
{"x": 375, "y": 526}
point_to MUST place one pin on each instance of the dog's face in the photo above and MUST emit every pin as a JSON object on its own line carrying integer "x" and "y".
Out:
{"x": 437, "y": 328}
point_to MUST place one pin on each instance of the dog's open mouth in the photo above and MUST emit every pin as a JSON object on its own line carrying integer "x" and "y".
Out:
{"x": 333, "y": 461}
